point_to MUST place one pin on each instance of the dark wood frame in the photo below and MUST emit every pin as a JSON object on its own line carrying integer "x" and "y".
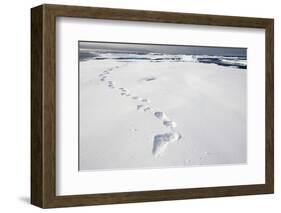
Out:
{"x": 43, "y": 105}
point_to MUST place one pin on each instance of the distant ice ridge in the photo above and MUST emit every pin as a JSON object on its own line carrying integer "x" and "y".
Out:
{"x": 160, "y": 141}
{"x": 233, "y": 61}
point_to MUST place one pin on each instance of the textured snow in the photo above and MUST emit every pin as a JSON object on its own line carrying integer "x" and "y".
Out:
{"x": 139, "y": 114}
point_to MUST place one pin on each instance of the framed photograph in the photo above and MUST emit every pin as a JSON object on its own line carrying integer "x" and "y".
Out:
{"x": 136, "y": 106}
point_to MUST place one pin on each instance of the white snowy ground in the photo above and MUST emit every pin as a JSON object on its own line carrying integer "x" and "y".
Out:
{"x": 127, "y": 110}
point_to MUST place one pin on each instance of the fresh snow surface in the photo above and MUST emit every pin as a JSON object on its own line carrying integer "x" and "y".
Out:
{"x": 137, "y": 114}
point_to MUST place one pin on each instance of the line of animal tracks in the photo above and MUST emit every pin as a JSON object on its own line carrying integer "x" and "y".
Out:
{"x": 160, "y": 141}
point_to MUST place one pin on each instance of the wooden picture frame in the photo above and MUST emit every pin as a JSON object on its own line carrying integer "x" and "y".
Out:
{"x": 43, "y": 106}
